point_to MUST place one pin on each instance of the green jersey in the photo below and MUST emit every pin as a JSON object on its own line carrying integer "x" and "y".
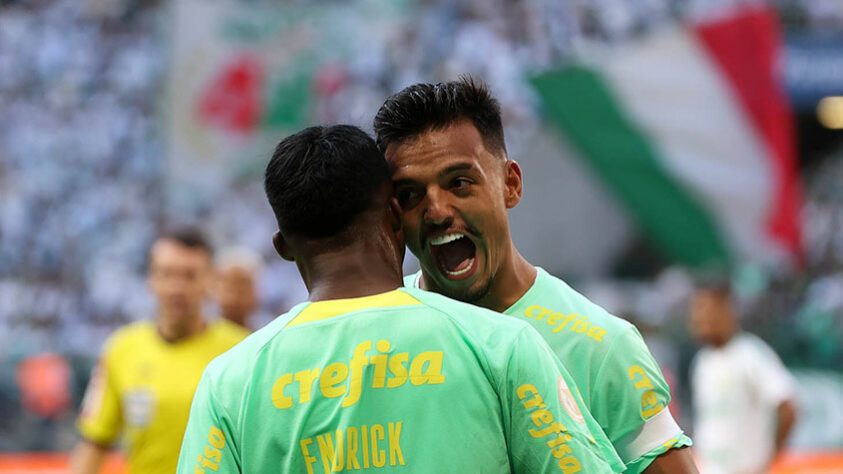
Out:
{"x": 620, "y": 381}
{"x": 404, "y": 381}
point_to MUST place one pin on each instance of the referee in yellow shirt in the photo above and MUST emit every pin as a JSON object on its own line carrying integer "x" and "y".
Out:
{"x": 144, "y": 381}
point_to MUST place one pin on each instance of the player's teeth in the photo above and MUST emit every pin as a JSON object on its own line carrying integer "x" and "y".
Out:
{"x": 445, "y": 239}
{"x": 460, "y": 272}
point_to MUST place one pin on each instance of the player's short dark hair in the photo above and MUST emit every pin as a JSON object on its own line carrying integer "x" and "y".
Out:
{"x": 188, "y": 236}
{"x": 716, "y": 282}
{"x": 321, "y": 178}
{"x": 424, "y": 107}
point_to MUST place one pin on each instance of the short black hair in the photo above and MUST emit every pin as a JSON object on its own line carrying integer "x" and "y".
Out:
{"x": 321, "y": 178}
{"x": 423, "y": 107}
{"x": 188, "y": 236}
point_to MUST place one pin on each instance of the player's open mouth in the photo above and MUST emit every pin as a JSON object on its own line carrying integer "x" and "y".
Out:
{"x": 454, "y": 254}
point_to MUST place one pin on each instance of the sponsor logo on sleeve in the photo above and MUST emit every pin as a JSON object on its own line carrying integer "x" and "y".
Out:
{"x": 569, "y": 403}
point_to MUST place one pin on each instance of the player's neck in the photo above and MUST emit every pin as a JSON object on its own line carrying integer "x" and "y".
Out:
{"x": 175, "y": 331}
{"x": 362, "y": 269}
{"x": 515, "y": 276}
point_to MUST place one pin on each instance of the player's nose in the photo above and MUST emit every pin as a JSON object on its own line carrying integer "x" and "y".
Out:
{"x": 437, "y": 212}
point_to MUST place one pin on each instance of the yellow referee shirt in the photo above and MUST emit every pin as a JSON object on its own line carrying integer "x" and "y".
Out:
{"x": 143, "y": 386}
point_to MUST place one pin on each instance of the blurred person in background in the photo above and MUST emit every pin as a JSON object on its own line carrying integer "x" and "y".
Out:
{"x": 743, "y": 396}
{"x": 148, "y": 371}
{"x": 455, "y": 184}
{"x": 237, "y": 273}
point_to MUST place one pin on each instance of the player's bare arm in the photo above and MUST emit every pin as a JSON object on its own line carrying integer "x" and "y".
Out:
{"x": 675, "y": 461}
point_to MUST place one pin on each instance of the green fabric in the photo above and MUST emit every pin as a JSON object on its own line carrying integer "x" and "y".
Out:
{"x": 584, "y": 107}
{"x": 606, "y": 357}
{"x": 479, "y": 412}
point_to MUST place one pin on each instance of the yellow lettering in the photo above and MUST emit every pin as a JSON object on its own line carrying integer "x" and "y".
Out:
{"x": 433, "y": 374}
{"x": 635, "y": 370}
{"x": 351, "y": 458}
{"x": 524, "y": 390}
{"x": 554, "y": 318}
{"x": 532, "y": 311}
{"x": 379, "y": 361}
{"x": 308, "y": 459}
{"x": 569, "y": 465}
{"x": 216, "y": 438}
{"x": 398, "y": 369}
{"x": 562, "y": 438}
{"x": 561, "y": 451}
{"x": 339, "y": 453}
{"x": 597, "y": 333}
{"x": 378, "y": 455}
{"x": 358, "y": 361}
{"x": 364, "y": 442}
{"x": 583, "y": 327}
{"x": 327, "y": 452}
{"x": 212, "y": 453}
{"x": 334, "y": 374}
{"x": 555, "y": 427}
{"x": 652, "y": 411}
{"x": 207, "y": 463}
{"x": 568, "y": 318}
{"x": 541, "y": 417}
{"x": 198, "y": 470}
{"x": 280, "y": 400}
{"x": 649, "y": 398}
{"x": 536, "y": 401}
{"x": 305, "y": 378}
{"x": 395, "y": 444}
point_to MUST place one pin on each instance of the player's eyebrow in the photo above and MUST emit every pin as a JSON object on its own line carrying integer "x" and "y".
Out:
{"x": 462, "y": 166}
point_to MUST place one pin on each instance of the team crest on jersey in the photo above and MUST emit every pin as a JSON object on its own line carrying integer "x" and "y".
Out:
{"x": 569, "y": 403}
{"x": 138, "y": 406}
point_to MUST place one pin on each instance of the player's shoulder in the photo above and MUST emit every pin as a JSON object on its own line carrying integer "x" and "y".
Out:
{"x": 471, "y": 318}
{"x": 130, "y": 336}
{"x": 553, "y": 294}
{"x": 227, "y": 332}
{"x": 236, "y": 362}
{"x": 751, "y": 346}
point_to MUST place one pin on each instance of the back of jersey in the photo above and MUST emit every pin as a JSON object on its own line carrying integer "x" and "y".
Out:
{"x": 396, "y": 381}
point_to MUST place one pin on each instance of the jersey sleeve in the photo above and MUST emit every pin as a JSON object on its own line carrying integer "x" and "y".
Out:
{"x": 545, "y": 416}
{"x": 209, "y": 444}
{"x": 631, "y": 396}
{"x": 773, "y": 383}
{"x": 101, "y": 418}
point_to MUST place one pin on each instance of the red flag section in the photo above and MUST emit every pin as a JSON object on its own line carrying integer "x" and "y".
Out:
{"x": 232, "y": 100}
{"x": 746, "y": 48}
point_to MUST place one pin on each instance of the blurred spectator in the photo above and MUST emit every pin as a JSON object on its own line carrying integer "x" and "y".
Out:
{"x": 148, "y": 371}
{"x": 743, "y": 395}
{"x": 237, "y": 272}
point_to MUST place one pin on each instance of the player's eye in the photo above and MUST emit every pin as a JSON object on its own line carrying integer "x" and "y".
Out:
{"x": 406, "y": 197}
{"x": 461, "y": 183}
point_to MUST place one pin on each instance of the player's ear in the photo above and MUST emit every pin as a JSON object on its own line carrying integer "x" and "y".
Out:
{"x": 281, "y": 247}
{"x": 512, "y": 182}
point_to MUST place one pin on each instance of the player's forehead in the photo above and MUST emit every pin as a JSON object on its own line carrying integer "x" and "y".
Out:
{"x": 436, "y": 151}
{"x": 172, "y": 252}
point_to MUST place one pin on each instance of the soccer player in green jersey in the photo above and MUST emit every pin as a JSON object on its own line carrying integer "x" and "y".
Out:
{"x": 455, "y": 183}
{"x": 367, "y": 375}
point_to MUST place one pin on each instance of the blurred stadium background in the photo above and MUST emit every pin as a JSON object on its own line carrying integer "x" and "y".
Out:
{"x": 119, "y": 117}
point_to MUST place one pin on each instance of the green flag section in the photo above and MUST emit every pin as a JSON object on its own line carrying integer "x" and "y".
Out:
{"x": 625, "y": 159}
{"x": 696, "y": 142}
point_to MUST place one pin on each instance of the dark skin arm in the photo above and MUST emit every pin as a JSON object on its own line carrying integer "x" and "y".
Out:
{"x": 674, "y": 461}
{"x": 786, "y": 415}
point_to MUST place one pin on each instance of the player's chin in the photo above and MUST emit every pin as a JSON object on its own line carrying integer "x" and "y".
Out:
{"x": 468, "y": 289}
